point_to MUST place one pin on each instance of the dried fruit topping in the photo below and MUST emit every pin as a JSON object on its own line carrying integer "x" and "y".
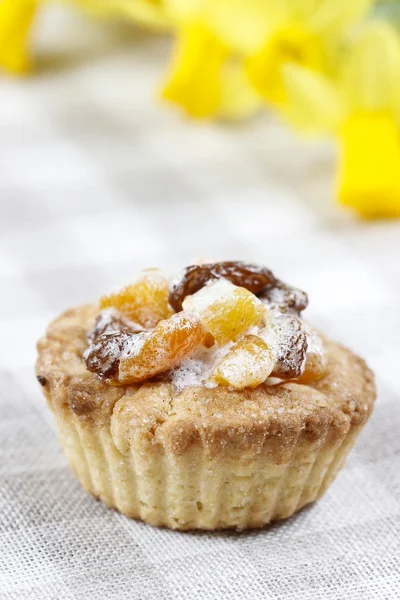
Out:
{"x": 137, "y": 336}
{"x": 285, "y": 298}
{"x": 171, "y": 341}
{"x": 316, "y": 359}
{"x": 315, "y": 368}
{"x": 291, "y": 348}
{"x": 252, "y": 277}
{"x": 109, "y": 321}
{"x": 247, "y": 364}
{"x": 144, "y": 302}
{"x": 103, "y": 355}
{"x": 225, "y": 310}
{"x": 42, "y": 380}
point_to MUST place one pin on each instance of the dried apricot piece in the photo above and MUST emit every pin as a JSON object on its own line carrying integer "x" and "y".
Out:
{"x": 225, "y": 310}
{"x": 145, "y": 301}
{"x": 252, "y": 277}
{"x": 247, "y": 364}
{"x": 148, "y": 354}
{"x": 292, "y": 346}
{"x": 316, "y": 359}
{"x": 315, "y": 368}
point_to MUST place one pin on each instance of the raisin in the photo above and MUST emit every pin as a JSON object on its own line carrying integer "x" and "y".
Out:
{"x": 254, "y": 278}
{"x": 285, "y": 298}
{"x": 292, "y": 347}
{"x": 109, "y": 321}
{"x": 103, "y": 355}
{"x": 42, "y": 380}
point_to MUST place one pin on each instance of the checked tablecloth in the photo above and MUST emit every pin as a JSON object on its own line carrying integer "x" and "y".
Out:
{"x": 96, "y": 181}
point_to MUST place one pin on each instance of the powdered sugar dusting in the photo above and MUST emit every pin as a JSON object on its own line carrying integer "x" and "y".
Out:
{"x": 197, "y": 371}
{"x": 315, "y": 343}
{"x": 134, "y": 345}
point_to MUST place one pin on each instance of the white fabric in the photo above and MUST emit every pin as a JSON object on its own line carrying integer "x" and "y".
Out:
{"x": 98, "y": 180}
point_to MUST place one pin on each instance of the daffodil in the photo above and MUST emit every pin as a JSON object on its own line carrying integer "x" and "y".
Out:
{"x": 256, "y": 39}
{"x": 272, "y": 33}
{"x": 205, "y": 80}
{"x": 361, "y": 106}
{"x": 194, "y": 80}
{"x": 17, "y": 16}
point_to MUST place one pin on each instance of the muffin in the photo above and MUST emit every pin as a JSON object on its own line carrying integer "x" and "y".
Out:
{"x": 204, "y": 402}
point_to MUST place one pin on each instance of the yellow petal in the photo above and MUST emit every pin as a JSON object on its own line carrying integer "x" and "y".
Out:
{"x": 332, "y": 17}
{"x": 292, "y": 45}
{"x": 16, "y": 17}
{"x": 184, "y": 11}
{"x": 369, "y": 165}
{"x": 371, "y": 73}
{"x": 245, "y": 25}
{"x": 238, "y": 97}
{"x": 194, "y": 81}
{"x": 314, "y": 104}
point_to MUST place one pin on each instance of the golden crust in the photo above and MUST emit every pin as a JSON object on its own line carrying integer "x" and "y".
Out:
{"x": 266, "y": 419}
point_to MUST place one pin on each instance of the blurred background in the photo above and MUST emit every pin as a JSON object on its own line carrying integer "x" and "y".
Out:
{"x": 100, "y": 178}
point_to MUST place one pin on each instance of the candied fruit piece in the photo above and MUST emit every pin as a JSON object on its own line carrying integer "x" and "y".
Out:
{"x": 252, "y": 277}
{"x": 291, "y": 347}
{"x": 103, "y": 355}
{"x": 316, "y": 359}
{"x": 225, "y": 310}
{"x": 315, "y": 368}
{"x": 285, "y": 298}
{"x": 148, "y": 354}
{"x": 247, "y": 364}
{"x": 145, "y": 301}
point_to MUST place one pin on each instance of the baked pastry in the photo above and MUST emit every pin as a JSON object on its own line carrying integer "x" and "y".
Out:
{"x": 206, "y": 402}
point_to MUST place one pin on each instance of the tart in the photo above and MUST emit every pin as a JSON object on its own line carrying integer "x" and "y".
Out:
{"x": 203, "y": 402}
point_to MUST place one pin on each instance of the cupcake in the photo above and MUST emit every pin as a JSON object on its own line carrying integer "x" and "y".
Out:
{"x": 204, "y": 402}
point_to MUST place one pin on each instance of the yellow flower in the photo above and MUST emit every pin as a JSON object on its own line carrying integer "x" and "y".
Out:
{"x": 369, "y": 165}
{"x": 301, "y": 33}
{"x": 289, "y": 45}
{"x": 257, "y": 38}
{"x": 238, "y": 99}
{"x": 194, "y": 80}
{"x": 206, "y": 76}
{"x": 204, "y": 80}
{"x": 361, "y": 106}
{"x": 16, "y": 17}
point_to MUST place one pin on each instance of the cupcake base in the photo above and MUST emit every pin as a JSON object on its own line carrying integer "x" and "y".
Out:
{"x": 202, "y": 459}
{"x": 195, "y": 492}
